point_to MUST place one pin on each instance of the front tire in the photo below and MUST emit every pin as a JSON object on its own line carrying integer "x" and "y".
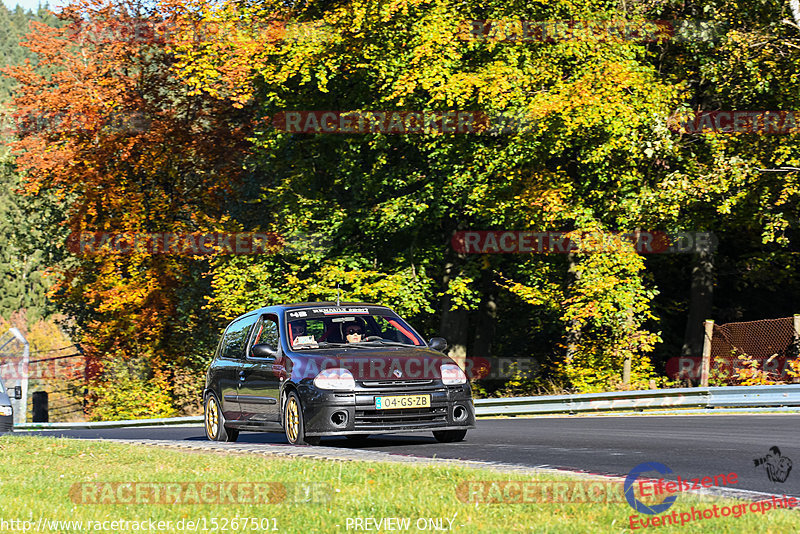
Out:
{"x": 293, "y": 422}
{"x": 215, "y": 422}
{"x": 449, "y": 436}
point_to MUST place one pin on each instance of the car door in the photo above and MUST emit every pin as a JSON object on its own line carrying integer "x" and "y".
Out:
{"x": 260, "y": 389}
{"x": 228, "y": 366}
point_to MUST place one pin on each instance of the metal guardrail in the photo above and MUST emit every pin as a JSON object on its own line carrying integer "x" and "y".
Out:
{"x": 708, "y": 398}
{"x": 111, "y": 424}
{"x": 745, "y": 396}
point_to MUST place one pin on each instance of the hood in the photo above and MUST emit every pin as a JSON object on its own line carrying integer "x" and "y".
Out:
{"x": 380, "y": 363}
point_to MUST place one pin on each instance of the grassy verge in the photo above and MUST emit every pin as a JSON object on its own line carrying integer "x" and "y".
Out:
{"x": 58, "y": 479}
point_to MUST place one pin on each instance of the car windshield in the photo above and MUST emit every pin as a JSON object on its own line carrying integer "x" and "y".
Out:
{"x": 357, "y": 326}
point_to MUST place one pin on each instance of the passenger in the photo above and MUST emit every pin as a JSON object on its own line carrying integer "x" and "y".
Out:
{"x": 353, "y": 332}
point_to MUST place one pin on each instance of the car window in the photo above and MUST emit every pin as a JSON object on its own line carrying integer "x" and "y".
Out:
{"x": 267, "y": 332}
{"x": 236, "y": 337}
{"x": 307, "y": 328}
{"x": 385, "y": 328}
{"x": 220, "y": 347}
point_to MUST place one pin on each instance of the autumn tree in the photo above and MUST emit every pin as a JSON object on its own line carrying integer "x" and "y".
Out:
{"x": 129, "y": 149}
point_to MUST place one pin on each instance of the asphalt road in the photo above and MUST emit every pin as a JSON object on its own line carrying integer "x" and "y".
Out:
{"x": 692, "y": 446}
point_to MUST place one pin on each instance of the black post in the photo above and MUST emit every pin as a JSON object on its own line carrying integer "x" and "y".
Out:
{"x": 40, "y": 407}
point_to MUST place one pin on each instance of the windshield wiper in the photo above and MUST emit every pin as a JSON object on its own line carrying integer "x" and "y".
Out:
{"x": 361, "y": 344}
{"x": 376, "y": 339}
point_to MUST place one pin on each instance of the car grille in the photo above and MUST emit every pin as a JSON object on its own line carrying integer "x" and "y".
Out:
{"x": 395, "y": 383}
{"x": 409, "y": 415}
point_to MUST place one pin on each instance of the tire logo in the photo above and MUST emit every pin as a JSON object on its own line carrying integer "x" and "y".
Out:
{"x": 638, "y": 505}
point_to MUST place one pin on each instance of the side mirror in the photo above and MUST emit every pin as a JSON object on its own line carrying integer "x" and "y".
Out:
{"x": 264, "y": 350}
{"x": 17, "y": 392}
{"x": 438, "y": 343}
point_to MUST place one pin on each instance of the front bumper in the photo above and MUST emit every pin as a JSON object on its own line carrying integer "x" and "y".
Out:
{"x": 330, "y": 413}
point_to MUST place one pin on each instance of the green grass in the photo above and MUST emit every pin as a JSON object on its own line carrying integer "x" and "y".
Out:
{"x": 36, "y": 475}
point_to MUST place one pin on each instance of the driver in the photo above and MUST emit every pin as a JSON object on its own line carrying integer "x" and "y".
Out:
{"x": 353, "y": 332}
{"x": 298, "y": 329}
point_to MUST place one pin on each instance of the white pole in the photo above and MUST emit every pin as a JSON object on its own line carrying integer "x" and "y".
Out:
{"x": 21, "y": 406}
{"x": 706, "y": 365}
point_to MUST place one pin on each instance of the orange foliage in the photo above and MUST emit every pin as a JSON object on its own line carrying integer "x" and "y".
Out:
{"x": 110, "y": 130}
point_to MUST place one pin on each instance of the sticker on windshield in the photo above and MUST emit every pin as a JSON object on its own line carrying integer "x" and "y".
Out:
{"x": 337, "y": 311}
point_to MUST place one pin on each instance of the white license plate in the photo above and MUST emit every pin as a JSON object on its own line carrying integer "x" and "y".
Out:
{"x": 402, "y": 401}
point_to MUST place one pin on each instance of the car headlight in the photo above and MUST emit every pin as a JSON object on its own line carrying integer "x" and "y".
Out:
{"x": 335, "y": 379}
{"x": 452, "y": 375}
{"x": 5, "y": 410}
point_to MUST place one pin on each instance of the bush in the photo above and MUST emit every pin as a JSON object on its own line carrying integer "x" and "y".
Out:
{"x": 126, "y": 392}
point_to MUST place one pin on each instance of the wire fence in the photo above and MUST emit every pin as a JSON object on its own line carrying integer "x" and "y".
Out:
{"x": 771, "y": 343}
{"x": 57, "y": 380}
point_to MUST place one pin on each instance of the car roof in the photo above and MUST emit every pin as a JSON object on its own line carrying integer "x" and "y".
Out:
{"x": 295, "y": 305}
{"x": 312, "y": 304}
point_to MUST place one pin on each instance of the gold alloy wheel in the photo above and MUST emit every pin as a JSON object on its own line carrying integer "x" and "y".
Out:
{"x": 292, "y": 419}
{"x": 212, "y": 418}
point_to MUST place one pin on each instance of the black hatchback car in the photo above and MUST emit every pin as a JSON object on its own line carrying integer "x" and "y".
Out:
{"x": 321, "y": 369}
{"x": 6, "y": 411}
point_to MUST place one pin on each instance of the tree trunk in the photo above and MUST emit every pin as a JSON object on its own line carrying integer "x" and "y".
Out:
{"x": 573, "y": 328}
{"x": 486, "y": 317}
{"x": 455, "y": 323}
{"x": 700, "y": 303}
